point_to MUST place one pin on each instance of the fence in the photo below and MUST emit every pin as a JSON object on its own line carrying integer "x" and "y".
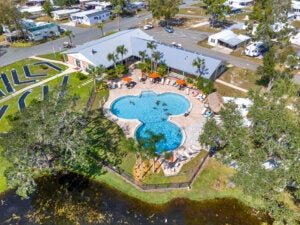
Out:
{"x": 91, "y": 100}
{"x": 156, "y": 187}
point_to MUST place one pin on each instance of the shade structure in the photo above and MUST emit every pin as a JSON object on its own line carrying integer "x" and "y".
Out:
{"x": 154, "y": 75}
{"x": 215, "y": 102}
{"x": 180, "y": 82}
{"x": 127, "y": 79}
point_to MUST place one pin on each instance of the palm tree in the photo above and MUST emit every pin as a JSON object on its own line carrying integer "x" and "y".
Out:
{"x": 121, "y": 49}
{"x": 101, "y": 27}
{"x": 156, "y": 57}
{"x": 96, "y": 72}
{"x": 143, "y": 55}
{"x": 151, "y": 45}
{"x": 200, "y": 64}
{"x": 70, "y": 35}
{"x": 118, "y": 10}
{"x": 113, "y": 57}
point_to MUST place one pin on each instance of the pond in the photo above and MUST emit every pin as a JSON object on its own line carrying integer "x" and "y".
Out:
{"x": 72, "y": 199}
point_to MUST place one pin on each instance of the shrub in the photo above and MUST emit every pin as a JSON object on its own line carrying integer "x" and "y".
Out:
{"x": 81, "y": 76}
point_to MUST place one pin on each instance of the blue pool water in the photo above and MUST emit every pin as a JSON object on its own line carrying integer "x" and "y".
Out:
{"x": 153, "y": 111}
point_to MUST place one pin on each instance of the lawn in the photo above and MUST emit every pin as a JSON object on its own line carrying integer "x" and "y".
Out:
{"x": 204, "y": 43}
{"x": 241, "y": 77}
{"x": 193, "y": 11}
{"x": 56, "y": 56}
{"x": 18, "y": 66}
{"x": 3, "y": 165}
{"x": 73, "y": 88}
{"x": 228, "y": 91}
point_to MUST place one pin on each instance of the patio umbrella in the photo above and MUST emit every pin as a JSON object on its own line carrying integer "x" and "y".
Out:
{"x": 154, "y": 75}
{"x": 180, "y": 82}
{"x": 127, "y": 79}
{"x": 215, "y": 102}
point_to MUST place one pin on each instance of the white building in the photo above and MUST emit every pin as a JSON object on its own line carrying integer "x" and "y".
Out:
{"x": 239, "y": 3}
{"x": 296, "y": 8}
{"x": 137, "y": 5}
{"x": 90, "y": 17}
{"x": 35, "y": 11}
{"x": 228, "y": 39}
{"x": 63, "y": 14}
{"x": 43, "y": 31}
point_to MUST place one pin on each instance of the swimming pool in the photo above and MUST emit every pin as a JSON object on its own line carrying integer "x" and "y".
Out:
{"x": 153, "y": 111}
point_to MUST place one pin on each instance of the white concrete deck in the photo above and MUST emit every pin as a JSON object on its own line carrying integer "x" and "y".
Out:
{"x": 190, "y": 125}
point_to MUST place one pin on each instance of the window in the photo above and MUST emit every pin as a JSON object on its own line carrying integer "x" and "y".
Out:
{"x": 212, "y": 40}
{"x": 96, "y": 18}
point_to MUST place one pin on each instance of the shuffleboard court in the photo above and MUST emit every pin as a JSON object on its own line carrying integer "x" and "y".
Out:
{"x": 16, "y": 79}
{"x": 7, "y": 83}
{"x": 49, "y": 64}
{"x": 2, "y": 94}
{"x": 3, "y": 110}
{"x": 45, "y": 92}
{"x": 21, "y": 101}
{"x": 28, "y": 73}
{"x": 65, "y": 80}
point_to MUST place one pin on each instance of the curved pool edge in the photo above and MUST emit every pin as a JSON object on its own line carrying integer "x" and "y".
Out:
{"x": 139, "y": 123}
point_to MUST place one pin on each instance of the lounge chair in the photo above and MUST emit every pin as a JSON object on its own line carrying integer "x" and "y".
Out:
{"x": 173, "y": 83}
{"x": 196, "y": 93}
{"x": 187, "y": 91}
{"x": 186, "y": 154}
{"x": 196, "y": 148}
{"x": 176, "y": 84}
{"x": 119, "y": 85}
{"x": 167, "y": 81}
{"x": 199, "y": 96}
{"x": 162, "y": 81}
{"x": 203, "y": 111}
{"x": 113, "y": 85}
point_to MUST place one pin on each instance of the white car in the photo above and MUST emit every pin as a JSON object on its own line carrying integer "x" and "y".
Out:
{"x": 177, "y": 45}
{"x": 148, "y": 26}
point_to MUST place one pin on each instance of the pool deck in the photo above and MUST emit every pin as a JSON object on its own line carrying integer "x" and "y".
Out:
{"x": 191, "y": 125}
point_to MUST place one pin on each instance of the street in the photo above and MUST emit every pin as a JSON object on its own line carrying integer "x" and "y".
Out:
{"x": 188, "y": 39}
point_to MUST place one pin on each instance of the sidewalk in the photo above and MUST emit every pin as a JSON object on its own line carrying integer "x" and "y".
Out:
{"x": 231, "y": 86}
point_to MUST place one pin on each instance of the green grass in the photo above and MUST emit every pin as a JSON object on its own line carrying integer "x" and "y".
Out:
{"x": 185, "y": 174}
{"x": 53, "y": 56}
{"x": 18, "y": 66}
{"x": 3, "y": 165}
{"x": 73, "y": 88}
{"x": 228, "y": 91}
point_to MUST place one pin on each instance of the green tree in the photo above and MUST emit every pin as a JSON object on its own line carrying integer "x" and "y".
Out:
{"x": 118, "y": 10}
{"x": 122, "y": 50}
{"x": 70, "y": 35}
{"x": 47, "y": 7}
{"x": 64, "y": 3}
{"x": 50, "y": 137}
{"x": 152, "y": 46}
{"x": 200, "y": 65}
{"x": 164, "y": 8}
{"x": 113, "y": 57}
{"x": 97, "y": 72}
{"x": 101, "y": 27}
{"x": 162, "y": 69}
{"x": 156, "y": 56}
{"x": 143, "y": 55}
{"x": 120, "y": 70}
{"x": 216, "y": 9}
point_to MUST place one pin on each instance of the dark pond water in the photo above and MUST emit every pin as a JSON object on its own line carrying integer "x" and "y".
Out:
{"x": 72, "y": 199}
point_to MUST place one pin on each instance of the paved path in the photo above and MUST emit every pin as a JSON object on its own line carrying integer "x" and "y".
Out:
{"x": 231, "y": 85}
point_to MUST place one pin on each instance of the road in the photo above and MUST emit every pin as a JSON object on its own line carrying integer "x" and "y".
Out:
{"x": 187, "y": 38}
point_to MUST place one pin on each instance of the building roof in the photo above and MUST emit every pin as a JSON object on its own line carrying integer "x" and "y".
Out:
{"x": 230, "y": 38}
{"x": 65, "y": 11}
{"x": 42, "y": 26}
{"x": 215, "y": 102}
{"x": 136, "y": 40}
{"x": 90, "y": 12}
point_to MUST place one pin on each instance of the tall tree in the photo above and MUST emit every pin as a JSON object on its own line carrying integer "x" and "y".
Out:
{"x": 143, "y": 55}
{"x": 152, "y": 46}
{"x": 200, "y": 65}
{"x": 101, "y": 27}
{"x": 164, "y": 8}
{"x": 118, "y": 10}
{"x": 113, "y": 57}
{"x": 48, "y": 8}
{"x": 156, "y": 55}
{"x": 96, "y": 72}
{"x": 122, "y": 50}
{"x": 49, "y": 136}
{"x": 216, "y": 9}
{"x": 70, "y": 35}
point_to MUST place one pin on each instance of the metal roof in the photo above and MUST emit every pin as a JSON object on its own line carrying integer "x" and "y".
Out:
{"x": 136, "y": 40}
{"x": 90, "y": 12}
{"x": 65, "y": 11}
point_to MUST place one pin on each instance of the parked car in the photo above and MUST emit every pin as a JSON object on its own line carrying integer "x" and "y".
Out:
{"x": 148, "y": 26}
{"x": 67, "y": 44}
{"x": 177, "y": 45}
{"x": 169, "y": 29}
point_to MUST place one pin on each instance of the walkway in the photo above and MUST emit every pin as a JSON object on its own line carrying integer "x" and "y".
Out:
{"x": 231, "y": 85}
